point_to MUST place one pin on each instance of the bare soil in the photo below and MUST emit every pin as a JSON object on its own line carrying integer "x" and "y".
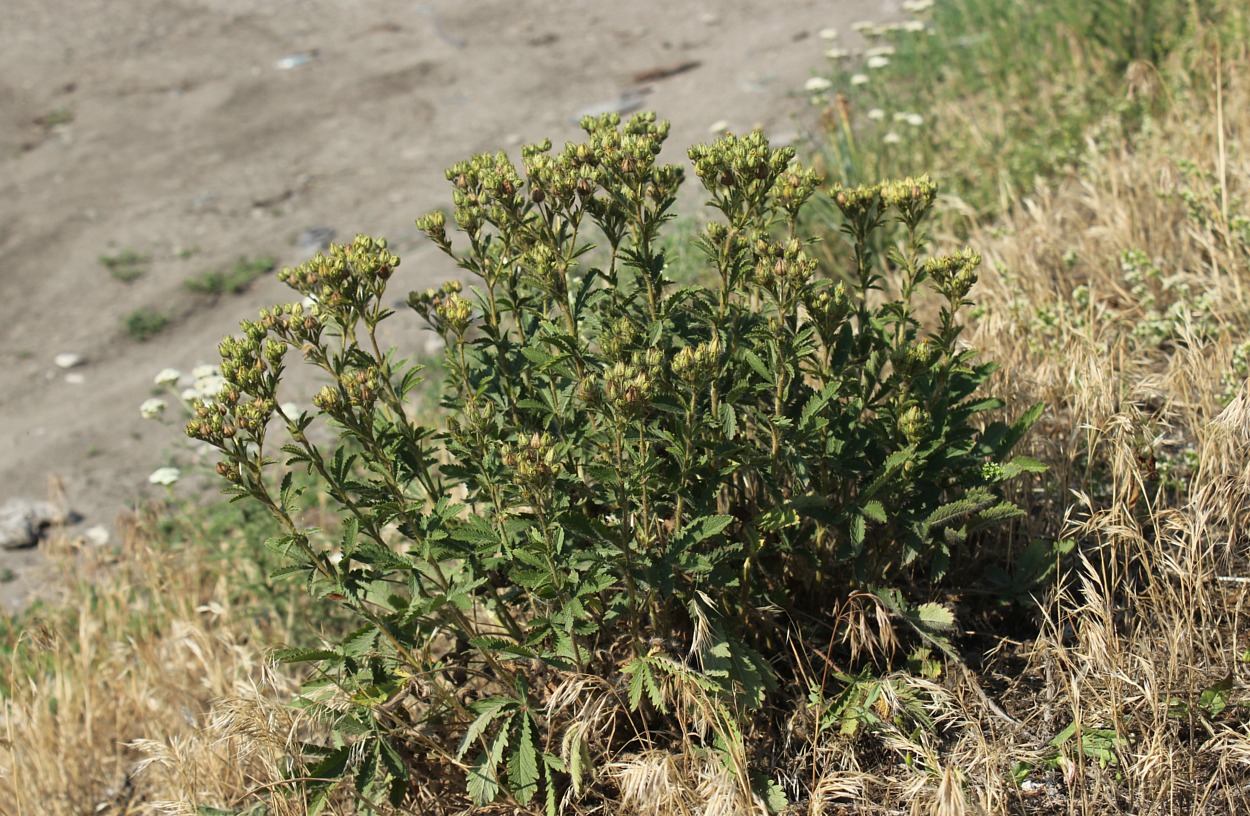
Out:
{"x": 175, "y": 131}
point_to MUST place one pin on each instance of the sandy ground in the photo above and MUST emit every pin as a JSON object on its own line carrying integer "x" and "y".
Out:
{"x": 172, "y": 129}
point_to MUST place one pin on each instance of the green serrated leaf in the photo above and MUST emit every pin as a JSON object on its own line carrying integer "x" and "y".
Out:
{"x": 934, "y": 617}
{"x": 523, "y": 761}
{"x": 874, "y": 511}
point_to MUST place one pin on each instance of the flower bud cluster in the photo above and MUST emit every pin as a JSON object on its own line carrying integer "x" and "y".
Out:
{"x": 434, "y": 225}
{"x": 443, "y": 308}
{"x": 348, "y": 277}
{"x": 828, "y": 308}
{"x": 696, "y": 365}
{"x": 486, "y": 189}
{"x": 912, "y": 197}
{"x": 475, "y": 420}
{"x": 534, "y": 463}
{"x": 250, "y": 371}
{"x": 293, "y": 323}
{"x": 356, "y": 391}
{"x": 628, "y": 152}
{"x": 743, "y": 163}
{"x": 913, "y": 424}
{"x": 954, "y": 275}
{"x": 779, "y": 264}
{"x": 627, "y": 387}
{"x": 619, "y": 339}
{"x": 794, "y": 187}
{"x": 547, "y": 270}
{"x": 911, "y": 360}
{"x": 858, "y": 203}
{"x": 230, "y": 416}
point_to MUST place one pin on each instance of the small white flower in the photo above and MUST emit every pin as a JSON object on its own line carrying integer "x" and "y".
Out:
{"x": 719, "y": 126}
{"x": 880, "y": 51}
{"x": 165, "y": 476}
{"x": 152, "y": 408}
{"x": 915, "y": 119}
{"x": 828, "y": 33}
{"x": 863, "y": 25}
{"x": 818, "y": 84}
{"x": 837, "y": 53}
{"x": 917, "y": 6}
{"x": 201, "y": 372}
{"x": 168, "y": 377}
{"x": 901, "y": 116}
{"x": 189, "y": 394}
{"x": 914, "y": 26}
{"x": 859, "y": 79}
{"x": 210, "y": 387}
{"x": 876, "y": 114}
{"x": 291, "y": 410}
{"x": 878, "y": 62}
{"x": 891, "y": 138}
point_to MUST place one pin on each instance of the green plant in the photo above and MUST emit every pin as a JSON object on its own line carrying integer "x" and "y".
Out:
{"x": 993, "y": 95}
{"x": 652, "y": 484}
{"x": 126, "y": 266}
{"x": 145, "y": 323}
{"x": 234, "y": 280}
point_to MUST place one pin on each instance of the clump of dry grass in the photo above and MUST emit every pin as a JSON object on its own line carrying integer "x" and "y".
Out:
{"x": 144, "y": 689}
{"x": 1149, "y": 460}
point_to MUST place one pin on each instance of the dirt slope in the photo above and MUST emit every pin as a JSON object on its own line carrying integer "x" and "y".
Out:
{"x": 172, "y": 130}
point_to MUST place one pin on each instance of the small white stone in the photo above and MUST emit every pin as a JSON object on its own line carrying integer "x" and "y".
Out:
{"x": 96, "y": 536}
{"x": 69, "y": 360}
{"x": 164, "y": 476}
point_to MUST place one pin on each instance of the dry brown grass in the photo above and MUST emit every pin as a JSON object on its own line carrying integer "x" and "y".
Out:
{"x": 143, "y": 690}
{"x": 1152, "y": 611}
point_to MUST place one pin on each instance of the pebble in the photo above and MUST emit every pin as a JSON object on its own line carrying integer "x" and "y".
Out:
{"x": 97, "y": 536}
{"x": 24, "y": 521}
{"x": 68, "y": 360}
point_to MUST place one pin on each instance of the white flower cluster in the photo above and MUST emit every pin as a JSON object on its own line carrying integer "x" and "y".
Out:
{"x": 208, "y": 383}
{"x": 152, "y": 408}
{"x": 913, "y": 119}
{"x": 917, "y": 6}
{"x": 164, "y": 476}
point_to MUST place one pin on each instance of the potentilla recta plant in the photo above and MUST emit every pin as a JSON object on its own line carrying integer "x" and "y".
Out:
{"x": 659, "y": 486}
